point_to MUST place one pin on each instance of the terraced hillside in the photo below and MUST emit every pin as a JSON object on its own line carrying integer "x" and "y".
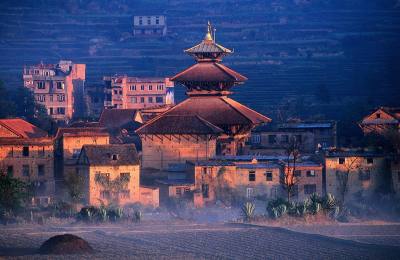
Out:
{"x": 285, "y": 48}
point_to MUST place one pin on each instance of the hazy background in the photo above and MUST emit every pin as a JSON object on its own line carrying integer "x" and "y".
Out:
{"x": 315, "y": 58}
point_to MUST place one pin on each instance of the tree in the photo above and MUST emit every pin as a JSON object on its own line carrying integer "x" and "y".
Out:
{"x": 289, "y": 181}
{"x": 13, "y": 192}
{"x": 342, "y": 177}
{"x": 75, "y": 188}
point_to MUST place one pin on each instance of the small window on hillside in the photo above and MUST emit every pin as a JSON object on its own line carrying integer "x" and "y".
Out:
{"x": 114, "y": 157}
{"x": 268, "y": 176}
{"x": 370, "y": 160}
{"x": 311, "y": 173}
{"x": 25, "y": 151}
{"x": 342, "y": 160}
{"x": 252, "y": 176}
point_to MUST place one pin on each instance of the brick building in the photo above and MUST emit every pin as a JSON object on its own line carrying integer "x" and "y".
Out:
{"x": 111, "y": 174}
{"x": 381, "y": 120}
{"x": 272, "y": 139}
{"x": 26, "y": 153}
{"x": 137, "y": 93}
{"x": 205, "y": 124}
{"x": 354, "y": 172}
{"x": 149, "y": 26}
{"x": 59, "y": 87}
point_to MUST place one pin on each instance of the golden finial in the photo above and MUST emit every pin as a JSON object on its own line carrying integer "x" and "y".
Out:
{"x": 208, "y": 36}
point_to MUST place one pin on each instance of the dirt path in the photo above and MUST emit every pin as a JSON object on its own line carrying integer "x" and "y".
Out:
{"x": 204, "y": 241}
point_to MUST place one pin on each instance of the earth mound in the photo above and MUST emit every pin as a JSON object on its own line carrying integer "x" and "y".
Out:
{"x": 65, "y": 244}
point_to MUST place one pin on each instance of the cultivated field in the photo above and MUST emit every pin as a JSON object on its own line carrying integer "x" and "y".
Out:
{"x": 205, "y": 241}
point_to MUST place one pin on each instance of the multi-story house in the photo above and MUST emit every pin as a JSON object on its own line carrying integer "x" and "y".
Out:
{"x": 154, "y": 25}
{"x": 305, "y": 176}
{"x": 381, "y": 120}
{"x": 137, "y": 93}
{"x": 311, "y": 136}
{"x": 26, "y": 153}
{"x": 352, "y": 172}
{"x": 111, "y": 174}
{"x": 59, "y": 87}
{"x": 68, "y": 144}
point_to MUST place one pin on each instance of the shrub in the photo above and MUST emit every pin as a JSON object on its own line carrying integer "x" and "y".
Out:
{"x": 137, "y": 216}
{"x": 88, "y": 213}
{"x": 278, "y": 207}
{"x": 248, "y": 211}
{"x": 115, "y": 214}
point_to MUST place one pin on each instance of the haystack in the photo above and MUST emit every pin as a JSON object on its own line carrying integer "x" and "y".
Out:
{"x": 65, "y": 244}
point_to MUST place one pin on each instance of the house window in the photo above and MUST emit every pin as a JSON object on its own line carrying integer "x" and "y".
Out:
{"x": 41, "y": 98}
{"x": 60, "y": 98}
{"x": 105, "y": 194}
{"x": 115, "y": 92}
{"x": 10, "y": 170}
{"x": 114, "y": 157}
{"x": 148, "y": 20}
{"x": 75, "y": 153}
{"x": 370, "y": 161}
{"x": 141, "y": 99}
{"x": 342, "y": 160}
{"x": 133, "y": 87}
{"x": 178, "y": 191}
{"x": 297, "y": 173}
{"x": 364, "y": 175}
{"x": 125, "y": 194}
{"x": 268, "y": 176}
{"x": 284, "y": 139}
{"x": 60, "y": 85}
{"x": 40, "y": 170}
{"x": 204, "y": 190}
{"x": 120, "y": 92}
{"x": 157, "y": 20}
{"x": 252, "y": 176}
{"x": 378, "y": 115}
{"x": 125, "y": 175}
{"x": 150, "y": 99}
{"x": 25, "y": 170}
{"x": 142, "y": 87}
{"x": 51, "y": 111}
{"x": 159, "y": 99}
{"x": 61, "y": 110}
{"x": 295, "y": 190}
{"x": 272, "y": 139}
{"x": 187, "y": 190}
{"x": 133, "y": 99}
{"x": 150, "y": 87}
{"x": 160, "y": 87}
{"x": 256, "y": 139}
{"x": 140, "y": 21}
{"x": 25, "y": 151}
{"x": 249, "y": 192}
{"x": 310, "y": 188}
{"x": 311, "y": 173}
{"x": 41, "y": 85}
{"x": 51, "y": 98}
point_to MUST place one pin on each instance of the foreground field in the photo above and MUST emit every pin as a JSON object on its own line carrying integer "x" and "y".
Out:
{"x": 224, "y": 241}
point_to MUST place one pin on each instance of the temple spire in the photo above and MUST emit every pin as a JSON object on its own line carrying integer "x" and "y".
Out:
{"x": 208, "y": 36}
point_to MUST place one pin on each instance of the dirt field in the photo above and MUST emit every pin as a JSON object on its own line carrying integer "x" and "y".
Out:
{"x": 223, "y": 241}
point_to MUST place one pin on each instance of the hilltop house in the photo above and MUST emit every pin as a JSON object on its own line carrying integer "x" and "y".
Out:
{"x": 382, "y": 119}
{"x": 149, "y": 26}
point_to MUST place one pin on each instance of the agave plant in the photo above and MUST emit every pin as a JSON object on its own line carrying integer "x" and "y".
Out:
{"x": 329, "y": 202}
{"x": 103, "y": 214}
{"x": 119, "y": 212}
{"x": 248, "y": 211}
{"x": 137, "y": 216}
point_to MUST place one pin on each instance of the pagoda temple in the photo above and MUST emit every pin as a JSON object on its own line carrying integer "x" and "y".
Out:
{"x": 208, "y": 122}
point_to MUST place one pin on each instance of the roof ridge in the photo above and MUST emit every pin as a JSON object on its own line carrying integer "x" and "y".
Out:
{"x": 225, "y": 99}
{"x": 209, "y": 124}
{"x": 229, "y": 71}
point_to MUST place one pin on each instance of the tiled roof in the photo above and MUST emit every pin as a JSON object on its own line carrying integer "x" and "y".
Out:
{"x": 22, "y": 128}
{"x": 208, "y": 47}
{"x": 179, "y": 124}
{"x": 176, "y": 182}
{"x": 258, "y": 166}
{"x": 102, "y": 155}
{"x": 81, "y": 131}
{"x": 214, "y": 111}
{"x": 208, "y": 72}
{"x": 116, "y": 118}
